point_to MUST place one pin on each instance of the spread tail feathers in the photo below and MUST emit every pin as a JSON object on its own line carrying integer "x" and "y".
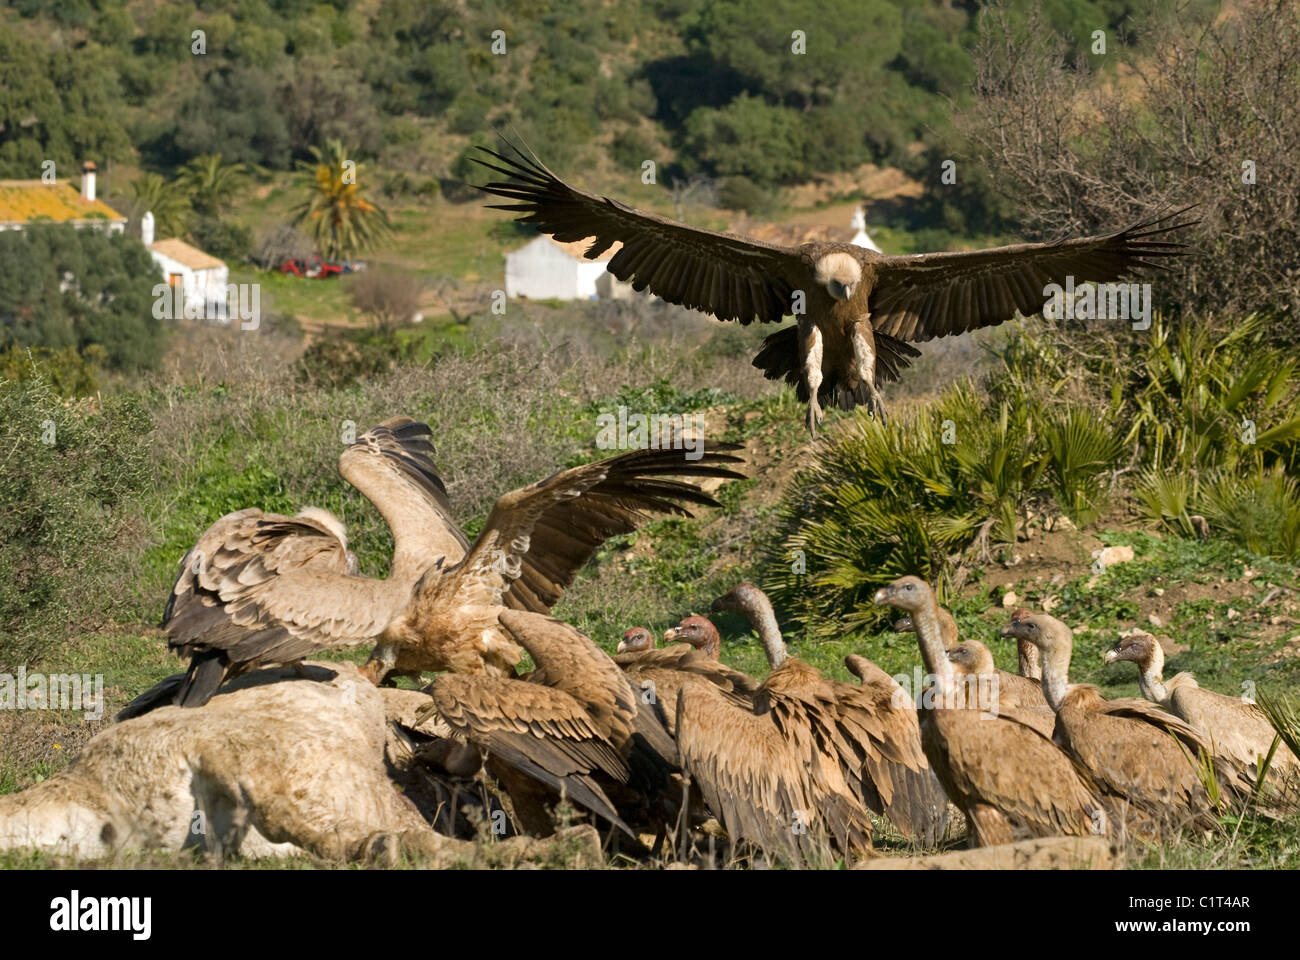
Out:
{"x": 779, "y": 359}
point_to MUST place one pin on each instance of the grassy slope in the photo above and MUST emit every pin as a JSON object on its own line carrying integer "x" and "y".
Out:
{"x": 675, "y": 566}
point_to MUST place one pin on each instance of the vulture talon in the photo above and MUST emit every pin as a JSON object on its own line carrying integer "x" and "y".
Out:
{"x": 814, "y": 418}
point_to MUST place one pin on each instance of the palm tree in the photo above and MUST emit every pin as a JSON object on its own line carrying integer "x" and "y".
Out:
{"x": 168, "y": 202}
{"x": 340, "y": 219}
{"x": 211, "y": 183}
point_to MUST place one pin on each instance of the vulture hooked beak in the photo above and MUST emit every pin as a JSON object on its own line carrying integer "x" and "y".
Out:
{"x": 670, "y": 635}
{"x": 883, "y": 597}
{"x": 904, "y": 625}
{"x": 1110, "y": 656}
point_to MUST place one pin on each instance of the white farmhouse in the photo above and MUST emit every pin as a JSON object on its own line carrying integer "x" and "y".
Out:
{"x": 201, "y": 277}
{"x": 545, "y": 269}
{"x": 860, "y": 236}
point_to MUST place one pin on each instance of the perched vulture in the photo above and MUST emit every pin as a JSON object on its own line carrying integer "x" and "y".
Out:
{"x": 1235, "y": 725}
{"x": 1009, "y": 779}
{"x": 857, "y": 310}
{"x": 260, "y": 589}
{"x": 885, "y": 765}
{"x": 574, "y": 727}
{"x": 1138, "y": 755}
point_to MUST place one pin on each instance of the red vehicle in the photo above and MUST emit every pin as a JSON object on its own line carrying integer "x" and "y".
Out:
{"x": 317, "y": 269}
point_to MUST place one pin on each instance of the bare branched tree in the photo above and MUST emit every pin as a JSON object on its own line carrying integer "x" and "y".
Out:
{"x": 388, "y": 297}
{"x": 696, "y": 189}
{"x": 1199, "y": 113}
{"x": 279, "y": 243}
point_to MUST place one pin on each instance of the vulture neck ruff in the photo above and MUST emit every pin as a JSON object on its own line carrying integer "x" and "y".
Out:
{"x": 1030, "y": 664}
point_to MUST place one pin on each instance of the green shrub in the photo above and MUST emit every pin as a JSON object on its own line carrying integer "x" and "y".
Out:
{"x": 69, "y": 478}
{"x": 1260, "y": 510}
{"x": 68, "y": 373}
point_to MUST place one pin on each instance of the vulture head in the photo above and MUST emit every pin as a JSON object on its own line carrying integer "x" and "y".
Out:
{"x": 740, "y": 599}
{"x": 1055, "y": 640}
{"x": 699, "y": 633}
{"x": 1141, "y": 648}
{"x": 906, "y": 593}
{"x": 753, "y": 604}
{"x": 904, "y": 625}
{"x": 971, "y": 658}
{"x": 327, "y": 520}
{"x": 636, "y": 639}
{"x": 1030, "y": 663}
{"x": 839, "y": 273}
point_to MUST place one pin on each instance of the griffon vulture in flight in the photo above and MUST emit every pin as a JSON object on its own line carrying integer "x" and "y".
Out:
{"x": 260, "y": 589}
{"x": 857, "y": 310}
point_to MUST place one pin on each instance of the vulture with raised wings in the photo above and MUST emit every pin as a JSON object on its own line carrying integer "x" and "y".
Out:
{"x": 533, "y": 544}
{"x": 811, "y": 756}
{"x": 1009, "y": 780}
{"x": 1143, "y": 757}
{"x": 1235, "y": 725}
{"x": 259, "y": 589}
{"x": 857, "y": 310}
{"x": 574, "y": 727}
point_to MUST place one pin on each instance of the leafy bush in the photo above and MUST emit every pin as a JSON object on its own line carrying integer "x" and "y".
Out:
{"x": 231, "y": 242}
{"x": 107, "y": 302}
{"x": 68, "y": 373}
{"x": 1260, "y": 510}
{"x": 741, "y": 193}
{"x": 334, "y": 362}
{"x": 912, "y": 496}
{"x": 68, "y": 476}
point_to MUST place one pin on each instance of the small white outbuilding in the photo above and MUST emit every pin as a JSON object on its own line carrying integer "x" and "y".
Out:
{"x": 545, "y": 269}
{"x": 200, "y": 276}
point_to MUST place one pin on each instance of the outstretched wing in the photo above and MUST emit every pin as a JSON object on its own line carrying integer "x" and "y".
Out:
{"x": 730, "y": 277}
{"x": 392, "y": 464}
{"x": 537, "y": 538}
{"x": 269, "y": 588}
{"x": 937, "y": 294}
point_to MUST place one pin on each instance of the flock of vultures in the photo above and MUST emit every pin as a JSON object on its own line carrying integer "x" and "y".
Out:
{"x": 660, "y": 742}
